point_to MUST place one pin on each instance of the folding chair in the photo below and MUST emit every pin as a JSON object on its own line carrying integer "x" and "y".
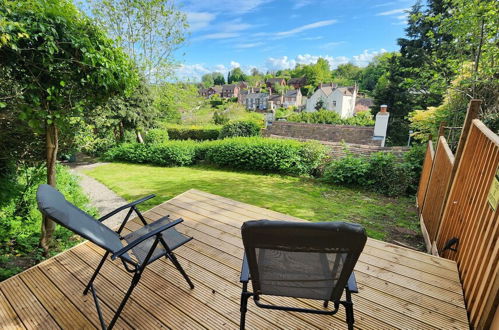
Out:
{"x": 147, "y": 244}
{"x": 312, "y": 260}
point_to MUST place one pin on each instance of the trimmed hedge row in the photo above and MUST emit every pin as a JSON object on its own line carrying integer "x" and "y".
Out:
{"x": 248, "y": 153}
{"x": 199, "y": 133}
{"x": 363, "y": 118}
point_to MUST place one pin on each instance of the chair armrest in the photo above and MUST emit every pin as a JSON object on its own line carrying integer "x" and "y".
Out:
{"x": 352, "y": 284}
{"x": 139, "y": 240}
{"x": 245, "y": 275}
{"x": 121, "y": 208}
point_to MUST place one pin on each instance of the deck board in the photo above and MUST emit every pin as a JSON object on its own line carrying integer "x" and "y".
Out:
{"x": 399, "y": 288}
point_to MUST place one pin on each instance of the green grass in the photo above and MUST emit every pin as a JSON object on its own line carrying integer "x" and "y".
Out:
{"x": 301, "y": 197}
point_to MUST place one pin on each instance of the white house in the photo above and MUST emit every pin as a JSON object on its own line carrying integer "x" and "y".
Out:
{"x": 339, "y": 99}
{"x": 256, "y": 101}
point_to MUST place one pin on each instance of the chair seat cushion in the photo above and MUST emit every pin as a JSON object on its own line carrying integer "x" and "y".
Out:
{"x": 171, "y": 237}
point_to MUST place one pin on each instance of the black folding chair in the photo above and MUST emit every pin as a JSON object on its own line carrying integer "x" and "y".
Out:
{"x": 301, "y": 260}
{"x": 147, "y": 244}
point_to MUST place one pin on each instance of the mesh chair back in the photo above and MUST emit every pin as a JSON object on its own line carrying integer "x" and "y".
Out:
{"x": 302, "y": 259}
{"x": 53, "y": 204}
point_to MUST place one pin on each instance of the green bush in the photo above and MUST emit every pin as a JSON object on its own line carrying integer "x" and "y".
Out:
{"x": 156, "y": 136}
{"x": 171, "y": 153}
{"x": 199, "y": 133}
{"x": 20, "y": 219}
{"x": 240, "y": 128}
{"x": 363, "y": 118}
{"x": 381, "y": 172}
{"x": 268, "y": 155}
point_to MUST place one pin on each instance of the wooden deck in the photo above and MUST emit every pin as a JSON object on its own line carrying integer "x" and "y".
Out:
{"x": 399, "y": 287}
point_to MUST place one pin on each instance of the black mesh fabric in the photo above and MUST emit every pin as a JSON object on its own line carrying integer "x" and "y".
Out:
{"x": 171, "y": 236}
{"x": 302, "y": 259}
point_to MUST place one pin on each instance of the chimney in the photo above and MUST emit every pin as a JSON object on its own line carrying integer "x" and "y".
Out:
{"x": 270, "y": 91}
{"x": 381, "y": 124}
{"x": 383, "y": 108}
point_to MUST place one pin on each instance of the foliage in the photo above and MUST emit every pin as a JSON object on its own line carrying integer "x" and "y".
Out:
{"x": 347, "y": 74}
{"x": 381, "y": 172}
{"x": 193, "y": 132}
{"x": 240, "y": 128}
{"x": 176, "y": 100}
{"x": 20, "y": 219}
{"x": 315, "y": 73}
{"x": 268, "y": 155}
{"x": 219, "y": 118}
{"x": 156, "y": 136}
{"x": 213, "y": 78}
{"x": 363, "y": 118}
{"x": 297, "y": 196}
{"x": 171, "y": 153}
{"x": 375, "y": 69}
{"x": 150, "y": 31}
{"x": 236, "y": 75}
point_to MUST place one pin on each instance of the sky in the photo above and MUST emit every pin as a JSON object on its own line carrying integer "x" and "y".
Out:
{"x": 278, "y": 34}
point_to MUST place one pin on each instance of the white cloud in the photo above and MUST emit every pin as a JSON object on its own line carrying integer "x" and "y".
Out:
{"x": 234, "y": 64}
{"x": 305, "y": 28}
{"x": 392, "y": 12}
{"x": 191, "y": 72}
{"x": 301, "y": 3}
{"x": 249, "y": 45}
{"x": 199, "y": 20}
{"x": 333, "y": 44}
{"x": 280, "y": 63}
{"x": 366, "y": 57}
{"x": 227, "y": 7}
{"x": 313, "y": 38}
{"x": 218, "y": 35}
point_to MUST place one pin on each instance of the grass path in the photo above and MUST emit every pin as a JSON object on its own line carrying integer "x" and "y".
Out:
{"x": 384, "y": 218}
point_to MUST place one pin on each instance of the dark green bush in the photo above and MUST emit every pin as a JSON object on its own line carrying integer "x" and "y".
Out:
{"x": 171, "y": 153}
{"x": 156, "y": 136}
{"x": 199, "y": 133}
{"x": 269, "y": 155}
{"x": 20, "y": 219}
{"x": 348, "y": 170}
{"x": 240, "y": 128}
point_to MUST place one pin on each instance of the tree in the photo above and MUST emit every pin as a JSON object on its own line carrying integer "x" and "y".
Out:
{"x": 374, "y": 70}
{"x": 315, "y": 73}
{"x": 218, "y": 78}
{"x": 207, "y": 80}
{"x": 65, "y": 64}
{"x": 149, "y": 31}
{"x": 236, "y": 75}
{"x": 346, "y": 74}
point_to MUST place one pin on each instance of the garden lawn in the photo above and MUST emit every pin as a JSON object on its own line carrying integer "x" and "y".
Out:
{"x": 384, "y": 218}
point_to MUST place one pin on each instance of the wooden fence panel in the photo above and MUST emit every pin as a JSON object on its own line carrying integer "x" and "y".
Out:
{"x": 425, "y": 175}
{"x": 470, "y": 217}
{"x": 438, "y": 184}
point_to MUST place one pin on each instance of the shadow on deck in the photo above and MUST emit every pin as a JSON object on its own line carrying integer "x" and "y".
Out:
{"x": 398, "y": 287}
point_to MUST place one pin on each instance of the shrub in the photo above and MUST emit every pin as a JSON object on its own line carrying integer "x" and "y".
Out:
{"x": 269, "y": 155}
{"x": 171, "y": 153}
{"x": 240, "y": 128}
{"x": 156, "y": 136}
{"x": 199, "y": 133}
{"x": 363, "y": 118}
{"x": 349, "y": 170}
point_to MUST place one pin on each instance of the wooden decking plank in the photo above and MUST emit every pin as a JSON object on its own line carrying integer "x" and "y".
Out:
{"x": 216, "y": 254}
{"x": 62, "y": 309}
{"x": 72, "y": 288}
{"x": 420, "y": 256}
{"x": 110, "y": 295}
{"x": 8, "y": 317}
{"x": 26, "y": 305}
{"x": 158, "y": 306}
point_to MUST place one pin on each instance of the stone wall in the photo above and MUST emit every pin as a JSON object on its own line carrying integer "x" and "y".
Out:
{"x": 323, "y": 132}
{"x": 339, "y": 149}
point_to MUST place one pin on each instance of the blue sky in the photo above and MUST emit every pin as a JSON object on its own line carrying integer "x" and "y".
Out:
{"x": 277, "y": 34}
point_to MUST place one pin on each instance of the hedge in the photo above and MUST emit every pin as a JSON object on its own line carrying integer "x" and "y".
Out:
{"x": 363, "y": 118}
{"x": 248, "y": 153}
{"x": 199, "y": 133}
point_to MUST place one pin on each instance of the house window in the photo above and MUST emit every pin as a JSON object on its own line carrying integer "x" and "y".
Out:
{"x": 334, "y": 103}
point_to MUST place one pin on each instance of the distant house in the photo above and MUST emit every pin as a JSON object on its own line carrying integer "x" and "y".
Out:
{"x": 275, "y": 101}
{"x": 207, "y": 92}
{"x": 297, "y": 82}
{"x": 230, "y": 91}
{"x": 292, "y": 98}
{"x": 256, "y": 101}
{"x": 363, "y": 104}
{"x": 339, "y": 99}
{"x": 242, "y": 85}
{"x": 271, "y": 82}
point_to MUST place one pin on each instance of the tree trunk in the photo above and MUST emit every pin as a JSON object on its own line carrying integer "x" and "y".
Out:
{"x": 122, "y": 132}
{"x": 139, "y": 136}
{"x": 52, "y": 144}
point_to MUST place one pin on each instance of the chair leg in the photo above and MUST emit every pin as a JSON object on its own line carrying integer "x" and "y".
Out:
{"x": 175, "y": 262}
{"x": 349, "y": 309}
{"x": 135, "y": 281}
{"x": 95, "y": 273}
{"x": 244, "y": 305}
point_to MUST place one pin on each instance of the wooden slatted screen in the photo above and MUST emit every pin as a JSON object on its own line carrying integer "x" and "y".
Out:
{"x": 434, "y": 200}
{"x": 469, "y": 217}
{"x": 425, "y": 175}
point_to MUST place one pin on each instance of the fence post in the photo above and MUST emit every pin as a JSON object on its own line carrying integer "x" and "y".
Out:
{"x": 472, "y": 113}
{"x": 441, "y": 129}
